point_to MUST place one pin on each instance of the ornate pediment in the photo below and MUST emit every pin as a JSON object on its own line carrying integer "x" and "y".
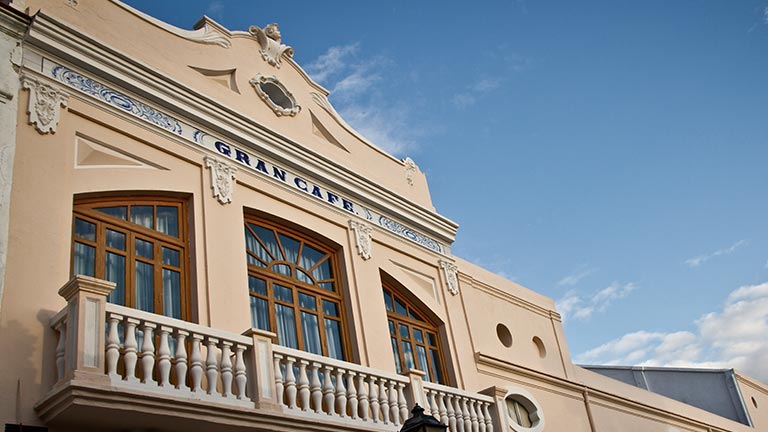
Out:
{"x": 271, "y": 49}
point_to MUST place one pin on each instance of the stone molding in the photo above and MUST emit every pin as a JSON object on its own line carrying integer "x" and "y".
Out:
{"x": 45, "y": 103}
{"x": 450, "y": 270}
{"x": 363, "y": 234}
{"x": 260, "y": 79}
{"x": 222, "y": 179}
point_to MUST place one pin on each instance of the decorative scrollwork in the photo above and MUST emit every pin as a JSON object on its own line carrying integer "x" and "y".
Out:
{"x": 222, "y": 179}
{"x": 272, "y": 49}
{"x": 45, "y": 103}
{"x": 274, "y": 94}
{"x": 363, "y": 234}
{"x": 408, "y": 233}
{"x": 410, "y": 169}
{"x": 450, "y": 270}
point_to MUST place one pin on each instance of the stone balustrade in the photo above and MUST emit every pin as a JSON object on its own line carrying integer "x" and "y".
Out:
{"x": 461, "y": 411}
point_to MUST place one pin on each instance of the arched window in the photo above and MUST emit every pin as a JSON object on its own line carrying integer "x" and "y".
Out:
{"x": 140, "y": 245}
{"x": 294, "y": 287}
{"x": 414, "y": 338}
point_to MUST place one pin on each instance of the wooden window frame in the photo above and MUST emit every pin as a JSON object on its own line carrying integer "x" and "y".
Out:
{"x": 85, "y": 209}
{"x": 425, "y": 325}
{"x": 297, "y": 286}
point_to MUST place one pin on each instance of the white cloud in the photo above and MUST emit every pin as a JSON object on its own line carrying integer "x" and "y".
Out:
{"x": 474, "y": 91}
{"x": 701, "y": 259}
{"x": 733, "y": 337}
{"x": 574, "y": 305}
{"x": 575, "y": 278}
{"x": 356, "y": 89}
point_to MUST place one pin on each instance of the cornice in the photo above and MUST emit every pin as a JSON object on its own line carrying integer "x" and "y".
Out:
{"x": 58, "y": 41}
{"x": 508, "y": 297}
{"x": 13, "y": 21}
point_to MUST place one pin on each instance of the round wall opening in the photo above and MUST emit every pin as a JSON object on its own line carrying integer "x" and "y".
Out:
{"x": 540, "y": 346}
{"x": 505, "y": 337}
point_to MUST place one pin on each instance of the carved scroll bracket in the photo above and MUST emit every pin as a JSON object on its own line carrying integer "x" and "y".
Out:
{"x": 363, "y": 235}
{"x": 222, "y": 179}
{"x": 410, "y": 170}
{"x": 450, "y": 269}
{"x": 45, "y": 103}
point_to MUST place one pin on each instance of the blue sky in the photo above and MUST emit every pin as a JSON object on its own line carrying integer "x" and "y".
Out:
{"x": 608, "y": 154}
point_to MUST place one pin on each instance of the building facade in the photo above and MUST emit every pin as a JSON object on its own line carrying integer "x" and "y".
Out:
{"x": 196, "y": 240}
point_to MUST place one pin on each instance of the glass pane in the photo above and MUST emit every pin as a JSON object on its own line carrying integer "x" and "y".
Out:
{"x": 255, "y": 247}
{"x": 400, "y": 308}
{"x": 414, "y": 315}
{"x": 307, "y": 301}
{"x": 330, "y": 308}
{"x": 283, "y": 269}
{"x": 311, "y": 331}
{"x": 328, "y": 286}
{"x": 254, "y": 261}
{"x": 333, "y": 337}
{"x": 431, "y": 339}
{"x": 418, "y": 335}
{"x": 408, "y": 354}
{"x": 404, "y": 331}
{"x": 310, "y": 256}
{"x": 290, "y": 247}
{"x": 171, "y": 294}
{"x": 283, "y": 293}
{"x": 259, "y": 313}
{"x": 391, "y": 328}
{"x": 423, "y": 362}
{"x": 388, "y": 301}
{"x": 300, "y": 275}
{"x": 119, "y": 212}
{"x": 85, "y": 230}
{"x": 144, "y": 249}
{"x": 323, "y": 271}
{"x": 115, "y": 240}
{"x": 395, "y": 353}
{"x": 142, "y": 215}
{"x": 267, "y": 237}
{"x": 256, "y": 285}
{"x": 436, "y": 366}
{"x": 145, "y": 287}
{"x": 115, "y": 272}
{"x": 286, "y": 326}
{"x": 85, "y": 257}
{"x": 168, "y": 220}
{"x": 170, "y": 257}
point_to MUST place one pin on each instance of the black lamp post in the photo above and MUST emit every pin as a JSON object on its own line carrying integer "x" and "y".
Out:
{"x": 422, "y": 423}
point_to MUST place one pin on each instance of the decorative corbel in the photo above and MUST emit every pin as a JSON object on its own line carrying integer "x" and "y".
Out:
{"x": 450, "y": 269}
{"x": 222, "y": 179}
{"x": 363, "y": 234}
{"x": 45, "y": 103}
{"x": 410, "y": 169}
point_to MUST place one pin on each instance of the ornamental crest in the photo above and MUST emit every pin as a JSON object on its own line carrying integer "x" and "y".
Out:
{"x": 271, "y": 49}
{"x": 450, "y": 270}
{"x": 45, "y": 102}
{"x": 222, "y": 179}
{"x": 410, "y": 169}
{"x": 363, "y": 234}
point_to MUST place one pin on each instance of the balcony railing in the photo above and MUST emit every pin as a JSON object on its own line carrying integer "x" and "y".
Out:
{"x": 139, "y": 351}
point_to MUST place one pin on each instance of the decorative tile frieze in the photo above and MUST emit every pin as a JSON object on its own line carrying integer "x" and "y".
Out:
{"x": 272, "y": 50}
{"x": 363, "y": 233}
{"x": 45, "y": 103}
{"x": 410, "y": 170}
{"x": 222, "y": 179}
{"x": 450, "y": 270}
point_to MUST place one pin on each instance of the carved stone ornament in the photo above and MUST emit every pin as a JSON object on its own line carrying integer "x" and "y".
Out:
{"x": 45, "y": 102}
{"x": 410, "y": 169}
{"x": 363, "y": 234}
{"x": 222, "y": 179}
{"x": 271, "y": 49}
{"x": 451, "y": 270}
{"x": 274, "y": 94}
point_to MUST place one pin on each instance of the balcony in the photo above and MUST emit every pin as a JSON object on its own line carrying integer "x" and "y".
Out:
{"x": 121, "y": 368}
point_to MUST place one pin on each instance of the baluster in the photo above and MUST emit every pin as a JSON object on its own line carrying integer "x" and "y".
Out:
{"x": 363, "y": 397}
{"x": 279, "y": 379}
{"x": 450, "y": 412}
{"x": 441, "y": 408}
{"x": 196, "y": 363}
{"x": 212, "y": 365}
{"x": 328, "y": 396}
{"x": 373, "y": 398}
{"x": 226, "y": 369}
{"x": 401, "y": 402}
{"x": 241, "y": 377}
{"x": 480, "y": 419}
{"x": 130, "y": 350}
{"x": 341, "y": 393}
{"x": 473, "y": 415}
{"x": 303, "y": 385}
{"x": 164, "y": 357}
{"x": 290, "y": 382}
{"x": 315, "y": 389}
{"x": 352, "y": 394}
{"x": 181, "y": 360}
{"x": 61, "y": 349}
{"x": 465, "y": 413}
{"x": 113, "y": 346}
{"x": 487, "y": 416}
{"x": 459, "y": 414}
{"x": 431, "y": 403}
{"x": 148, "y": 353}
{"x": 383, "y": 400}
{"x": 394, "y": 410}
